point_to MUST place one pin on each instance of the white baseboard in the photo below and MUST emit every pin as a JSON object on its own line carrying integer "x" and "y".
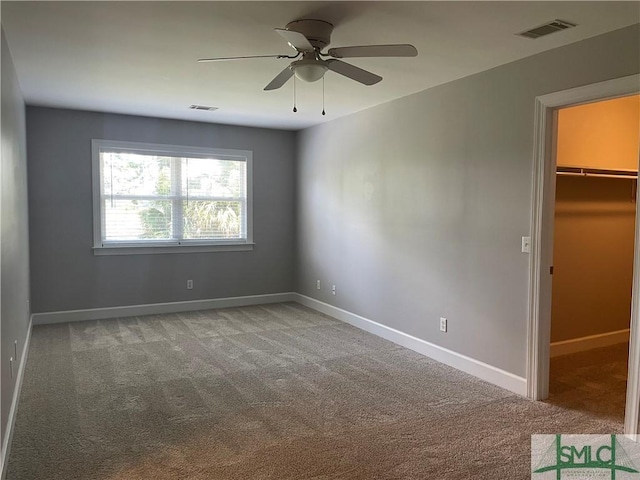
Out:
{"x": 159, "y": 308}
{"x": 583, "y": 344}
{"x": 474, "y": 367}
{"x": 8, "y": 433}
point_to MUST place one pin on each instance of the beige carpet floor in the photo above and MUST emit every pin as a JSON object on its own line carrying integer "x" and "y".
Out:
{"x": 594, "y": 382}
{"x": 267, "y": 392}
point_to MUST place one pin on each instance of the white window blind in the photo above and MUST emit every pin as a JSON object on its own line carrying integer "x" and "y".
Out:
{"x": 162, "y": 195}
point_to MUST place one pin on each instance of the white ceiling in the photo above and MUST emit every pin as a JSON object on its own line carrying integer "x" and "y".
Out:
{"x": 140, "y": 57}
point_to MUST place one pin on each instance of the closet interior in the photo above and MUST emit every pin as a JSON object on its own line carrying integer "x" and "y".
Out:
{"x": 594, "y": 233}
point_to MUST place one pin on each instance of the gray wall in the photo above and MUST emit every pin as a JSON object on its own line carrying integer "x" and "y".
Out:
{"x": 14, "y": 296}
{"x": 415, "y": 209}
{"x": 65, "y": 274}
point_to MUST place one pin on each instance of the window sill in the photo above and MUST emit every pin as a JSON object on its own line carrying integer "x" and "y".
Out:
{"x": 169, "y": 249}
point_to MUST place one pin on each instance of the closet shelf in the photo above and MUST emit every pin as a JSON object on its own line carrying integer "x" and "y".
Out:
{"x": 597, "y": 172}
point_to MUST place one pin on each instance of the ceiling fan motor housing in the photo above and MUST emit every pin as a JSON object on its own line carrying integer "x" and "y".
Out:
{"x": 318, "y": 32}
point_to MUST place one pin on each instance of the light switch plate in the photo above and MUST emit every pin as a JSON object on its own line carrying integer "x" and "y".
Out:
{"x": 526, "y": 244}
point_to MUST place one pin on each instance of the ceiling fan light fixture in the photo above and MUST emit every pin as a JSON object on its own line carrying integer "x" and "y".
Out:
{"x": 309, "y": 38}
{"x": 309, "y": 71}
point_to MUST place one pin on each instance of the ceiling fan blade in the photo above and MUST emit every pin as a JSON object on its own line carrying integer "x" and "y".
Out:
{"x": 280, "y": 79}
{"x": 296, "y": 40}
{"x": 401, "y": 50}
{"x": 353, "y": 72}
{"x": 217, "y": 59}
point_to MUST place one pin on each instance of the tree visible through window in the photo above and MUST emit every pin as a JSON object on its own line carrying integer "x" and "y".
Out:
{"x": 171, "y": 195}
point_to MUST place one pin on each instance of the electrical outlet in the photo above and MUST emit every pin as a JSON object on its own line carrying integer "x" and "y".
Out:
{"x": 318, "y": 284}
{"x": 333, "y": 289}
{"x": 443, "y": 324}
{"x": 189, "y": 284}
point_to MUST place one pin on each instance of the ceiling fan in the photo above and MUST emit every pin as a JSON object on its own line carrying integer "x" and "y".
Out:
{"x": 309, "y": 37}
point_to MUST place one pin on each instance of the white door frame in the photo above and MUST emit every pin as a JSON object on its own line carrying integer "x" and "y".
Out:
{"x": 541, "y": 259}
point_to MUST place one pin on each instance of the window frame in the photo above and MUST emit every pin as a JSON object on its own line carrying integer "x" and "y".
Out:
{"x": 101, "y": 247}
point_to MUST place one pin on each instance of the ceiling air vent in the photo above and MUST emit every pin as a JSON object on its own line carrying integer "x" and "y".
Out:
{"x": 202, "y": 107}
{"x": 546, "y": 29}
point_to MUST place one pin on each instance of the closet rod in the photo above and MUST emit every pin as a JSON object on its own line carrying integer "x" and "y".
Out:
{"x": 600, "y": 175}
{"x": 597, "y": 172}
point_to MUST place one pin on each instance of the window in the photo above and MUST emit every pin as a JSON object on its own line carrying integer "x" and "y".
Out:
{"x": 163, "y": 198}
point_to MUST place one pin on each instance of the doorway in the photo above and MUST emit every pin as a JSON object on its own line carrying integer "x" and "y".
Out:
{"x": 541, "y": 258}
{"x": 593, "y": 249}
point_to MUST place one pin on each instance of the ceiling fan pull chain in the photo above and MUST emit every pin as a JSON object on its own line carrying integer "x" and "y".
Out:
{"x": 323, "y": 96}
{"x": 294, "y": 95}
